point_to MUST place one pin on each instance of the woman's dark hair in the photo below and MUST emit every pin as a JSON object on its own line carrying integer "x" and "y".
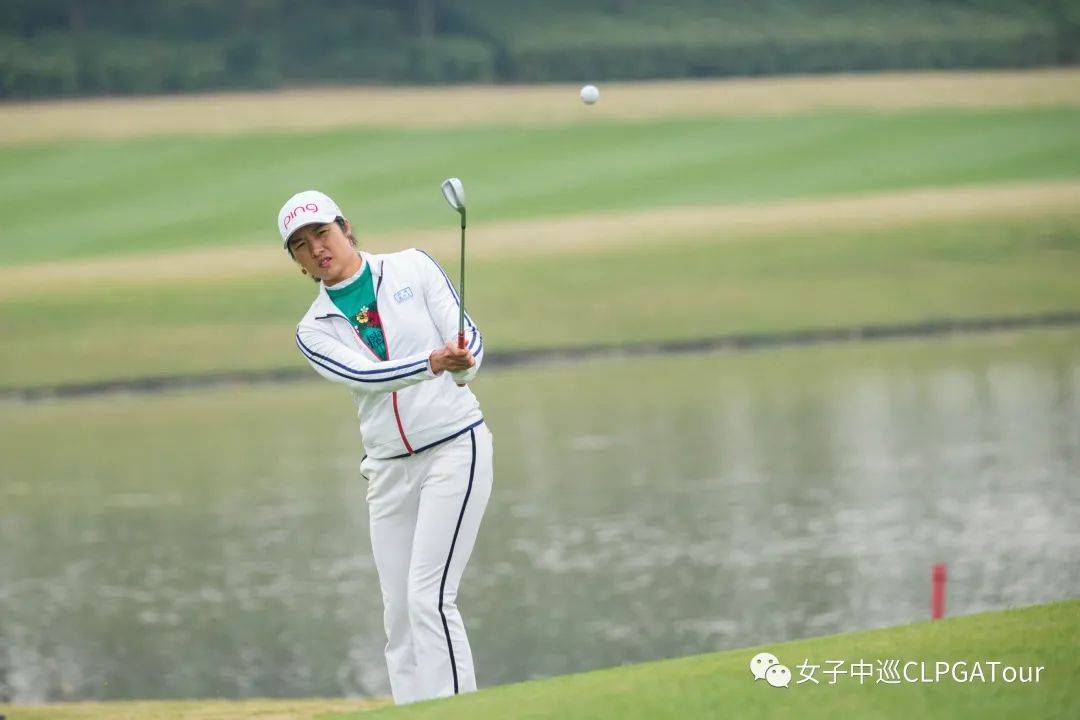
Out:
{"x": 340, "y": 221}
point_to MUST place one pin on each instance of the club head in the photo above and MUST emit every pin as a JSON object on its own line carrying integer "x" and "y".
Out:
{"x": 454, "y": 192}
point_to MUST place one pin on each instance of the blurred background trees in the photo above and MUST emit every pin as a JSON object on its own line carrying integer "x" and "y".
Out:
{"x": 90, "y": 47}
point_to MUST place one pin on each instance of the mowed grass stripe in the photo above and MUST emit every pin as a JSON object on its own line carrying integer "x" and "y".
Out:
{"x": 573, "y": 235}
{"x": 715, "y": 286}
{"x": 87, "y": 199}
{"x": 533, "y": 105}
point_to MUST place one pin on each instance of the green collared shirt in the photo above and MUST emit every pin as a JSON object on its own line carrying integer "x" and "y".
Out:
{"x": 355, "y": 298}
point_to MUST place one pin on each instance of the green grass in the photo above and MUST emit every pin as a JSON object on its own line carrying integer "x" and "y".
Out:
{"x": 701, "y": 287}
{"x": 83, "y": 199}
{"x": 720, "y": 684}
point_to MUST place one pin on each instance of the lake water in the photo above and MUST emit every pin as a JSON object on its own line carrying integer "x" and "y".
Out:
{"x": 215, "y": 543}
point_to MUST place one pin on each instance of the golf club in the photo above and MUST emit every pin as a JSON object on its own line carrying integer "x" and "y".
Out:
{"x": 454, "y": 192}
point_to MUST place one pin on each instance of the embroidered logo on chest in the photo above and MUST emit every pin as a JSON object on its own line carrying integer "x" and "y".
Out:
{"x": 403, "y": 294}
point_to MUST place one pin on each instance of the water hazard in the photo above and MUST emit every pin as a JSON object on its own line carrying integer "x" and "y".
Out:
{"x": 214, "y": 543}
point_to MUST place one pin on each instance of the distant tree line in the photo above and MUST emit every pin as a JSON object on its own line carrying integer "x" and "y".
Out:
{"x": 91, "y": 47}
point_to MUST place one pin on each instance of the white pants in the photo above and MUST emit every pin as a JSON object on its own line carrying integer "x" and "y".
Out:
{"x": 425, "y": 513}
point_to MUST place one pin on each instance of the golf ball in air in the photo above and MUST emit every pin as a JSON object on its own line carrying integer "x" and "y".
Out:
{"x": 590, "y": 94}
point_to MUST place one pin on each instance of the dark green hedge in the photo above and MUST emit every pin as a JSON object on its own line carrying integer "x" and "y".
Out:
{"x": 697, "y": 38}
{"x": 54, "y": 65}
{"x": 84, "y": 47}
{"x": 766, "y": 56}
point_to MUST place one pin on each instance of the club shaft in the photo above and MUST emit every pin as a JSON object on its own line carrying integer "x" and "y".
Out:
{"x": 461, "y": 294}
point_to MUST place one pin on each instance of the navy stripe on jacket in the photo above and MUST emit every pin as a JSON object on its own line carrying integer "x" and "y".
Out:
{"x": 351, "y": 373}
{"x": 457, "y": 300}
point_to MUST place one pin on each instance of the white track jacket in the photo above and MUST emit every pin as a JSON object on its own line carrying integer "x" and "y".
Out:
{"x": 404, "y": 408}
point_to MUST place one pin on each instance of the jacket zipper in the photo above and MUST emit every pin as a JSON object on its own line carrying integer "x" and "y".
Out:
{"x": 393, "y": 395}
{"x": 386, "y": 339}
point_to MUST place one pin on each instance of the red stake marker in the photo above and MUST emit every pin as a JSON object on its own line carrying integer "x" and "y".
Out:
{"x": 937, "y": 594}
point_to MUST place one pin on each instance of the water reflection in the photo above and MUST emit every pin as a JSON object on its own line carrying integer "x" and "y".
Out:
{"x": 215, "y": 544}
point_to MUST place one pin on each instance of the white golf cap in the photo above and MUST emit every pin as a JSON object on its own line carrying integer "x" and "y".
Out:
{"x": 305, "y": 208}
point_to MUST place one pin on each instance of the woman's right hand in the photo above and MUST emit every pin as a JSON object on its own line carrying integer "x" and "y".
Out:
{"x": 452, "y": 358}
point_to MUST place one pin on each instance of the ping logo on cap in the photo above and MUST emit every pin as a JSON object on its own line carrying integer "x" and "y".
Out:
{"x": 309, "y": 207}
{"x": 305, "y": 208}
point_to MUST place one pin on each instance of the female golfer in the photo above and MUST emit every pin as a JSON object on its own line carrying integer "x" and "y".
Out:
{"x": 386, "y": 326}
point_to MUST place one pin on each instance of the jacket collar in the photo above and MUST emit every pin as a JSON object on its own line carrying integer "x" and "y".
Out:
{"x": 325, "y": 307}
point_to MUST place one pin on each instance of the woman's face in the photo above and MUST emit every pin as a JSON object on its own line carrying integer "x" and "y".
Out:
{"x": 324, "y": 251}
